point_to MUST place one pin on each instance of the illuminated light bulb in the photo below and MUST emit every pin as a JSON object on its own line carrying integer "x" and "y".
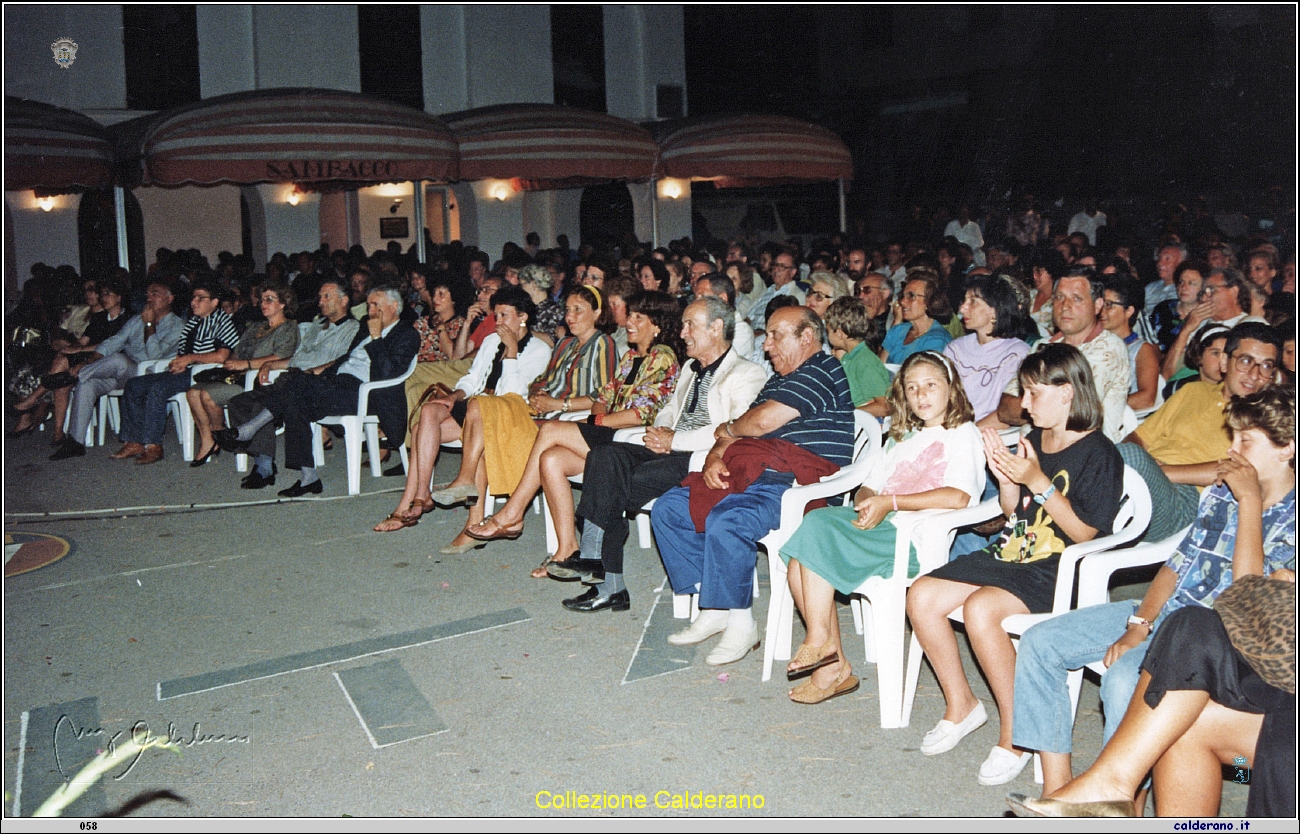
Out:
{"x": 46, "y": 203}
{"x": 500, "y": 191}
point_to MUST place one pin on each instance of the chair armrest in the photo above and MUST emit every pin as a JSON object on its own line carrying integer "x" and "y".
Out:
{"x": 363, "y": 393}
{"x": 151, "y": 366}
{"x": 633, "y": 435}
{"x": 202, "y": 366}
{"x": 1096, "y": 570}
{"x": 574, "y": 416}
{"x": 932, "y": 530}
{"x": 250, "y": 379}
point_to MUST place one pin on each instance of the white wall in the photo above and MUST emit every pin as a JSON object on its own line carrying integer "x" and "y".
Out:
{"x": 487, "y": 222}
{"x": 521, "y": 72}
{"x": 206, "y": 219}
{"x": 644, "y": 47}
{"x": 442, "y": 46}
{"x": 289, "y": 228}
{"x": 307, "y": 46}
{"x": 226, "y": 51}
{"x": 44, "y": 237}
{"x": 674, "y": 215}
{"x": 96, "y": 79}
{"x": 373, "y": 204}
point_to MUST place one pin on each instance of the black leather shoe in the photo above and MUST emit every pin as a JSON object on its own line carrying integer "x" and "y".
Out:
{"x": 298, "y": 490}
{"x": 228, "y": 439}
{"x": 254, "y": 480}
{"x": 593, "y": 601}
{"x": 574, "y": 567}
{"x": 69, "y": 448}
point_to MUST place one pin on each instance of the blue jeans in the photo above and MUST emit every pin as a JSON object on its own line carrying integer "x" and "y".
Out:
{"x": 144, "y": 405}
{"x": 1048, "y": 651}
{"x": 721, "y": 559}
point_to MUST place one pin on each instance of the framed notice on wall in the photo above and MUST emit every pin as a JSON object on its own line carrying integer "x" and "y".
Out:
{"x": 391, "y": 227}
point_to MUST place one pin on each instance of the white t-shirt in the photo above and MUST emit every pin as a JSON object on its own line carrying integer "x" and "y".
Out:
{"x": 929, "y": 459}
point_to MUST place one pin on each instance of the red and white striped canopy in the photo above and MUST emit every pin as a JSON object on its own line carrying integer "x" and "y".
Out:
{"x": 295, "y": 135}
{"x": 750, "y": 149}
{"x": 550, "y": 145}
{"x": 50, "y": 148}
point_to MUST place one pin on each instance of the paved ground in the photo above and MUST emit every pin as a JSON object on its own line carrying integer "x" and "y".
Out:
{"x": 331, "y": 670}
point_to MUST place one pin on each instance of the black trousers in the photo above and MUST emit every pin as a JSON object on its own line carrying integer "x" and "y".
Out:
{"x": 621, "y": 478}
{"x": 300, "y": 400}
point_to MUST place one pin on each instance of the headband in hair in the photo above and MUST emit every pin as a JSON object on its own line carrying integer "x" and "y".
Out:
{"x": 596, "y": 293}
{"x": 943, "y": 360}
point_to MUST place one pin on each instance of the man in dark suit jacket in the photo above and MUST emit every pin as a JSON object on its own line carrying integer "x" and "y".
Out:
{"x": 383, "y": 349}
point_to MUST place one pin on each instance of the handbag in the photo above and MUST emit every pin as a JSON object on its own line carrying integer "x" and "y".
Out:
{"x": 1259, "y": 615}
{"x": 212, "y": 376}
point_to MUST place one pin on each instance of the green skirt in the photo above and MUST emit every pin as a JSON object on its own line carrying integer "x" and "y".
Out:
{"x": 830, "y": 546}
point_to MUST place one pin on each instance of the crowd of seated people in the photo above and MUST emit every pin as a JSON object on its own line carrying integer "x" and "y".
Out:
{"x": 1020, "y": 365}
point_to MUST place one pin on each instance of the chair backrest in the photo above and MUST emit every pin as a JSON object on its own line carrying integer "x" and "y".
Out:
{"x": 363, "y": 393}
{"x": 866, "y": 434}
{"x": 1130, "y": 522}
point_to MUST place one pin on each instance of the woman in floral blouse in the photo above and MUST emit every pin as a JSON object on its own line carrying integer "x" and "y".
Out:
{"x": 632, "y": 398}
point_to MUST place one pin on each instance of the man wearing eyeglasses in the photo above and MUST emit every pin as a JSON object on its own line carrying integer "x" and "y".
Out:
{"x": 1177, "y": 449}
{"x": 1222, "y": 301}
{"x": 785, "y": 269}
{"x": 875, "y": 291}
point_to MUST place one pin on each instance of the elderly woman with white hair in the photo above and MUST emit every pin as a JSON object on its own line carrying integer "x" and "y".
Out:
{"x": 825, "y": 288}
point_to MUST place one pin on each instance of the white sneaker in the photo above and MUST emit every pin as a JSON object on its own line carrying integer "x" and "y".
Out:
{"x": 946, "y": 734}
{"x": 705, "y": 626}
{"x": 1002, "y": 766}
{"x": 735, "y": 644}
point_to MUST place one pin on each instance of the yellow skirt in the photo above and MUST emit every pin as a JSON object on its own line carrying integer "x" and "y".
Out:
{"x": 420, "y": 386}
{"x": 508, "y": 434}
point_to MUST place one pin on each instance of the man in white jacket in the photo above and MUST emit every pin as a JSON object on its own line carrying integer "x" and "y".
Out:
{"x": 718, "y": 385}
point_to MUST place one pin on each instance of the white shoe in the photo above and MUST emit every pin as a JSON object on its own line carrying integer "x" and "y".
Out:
{"x": 704, "y": 627}
{"x": 452, "y": 496}
{"x": 946, "y": 734}
{"x": 1002, "y": 766}
{"x": 735, "y": 644}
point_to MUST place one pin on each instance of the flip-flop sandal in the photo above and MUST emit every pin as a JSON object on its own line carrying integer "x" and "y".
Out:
{"x": 403, "y": 520}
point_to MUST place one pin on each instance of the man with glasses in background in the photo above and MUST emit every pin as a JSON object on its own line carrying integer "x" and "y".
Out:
{"x": 1177, "y": 449}
{"x": 785, "y": 269}
{"x": 1222, "y": 301}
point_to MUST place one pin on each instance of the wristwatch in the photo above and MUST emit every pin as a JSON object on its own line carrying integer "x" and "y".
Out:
{"x": 1134, "y": 619}
{"x": 1041, "y": 498}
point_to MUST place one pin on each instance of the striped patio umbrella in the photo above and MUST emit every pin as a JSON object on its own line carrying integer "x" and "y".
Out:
{"x": 49, "y": 148}
{"x": 750, "y": 149}
{"x": 292, "y": 135}
{"x": 550, "y": 146}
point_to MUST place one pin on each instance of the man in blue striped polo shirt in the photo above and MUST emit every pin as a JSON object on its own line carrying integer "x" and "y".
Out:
{"x": 806, "y": 403}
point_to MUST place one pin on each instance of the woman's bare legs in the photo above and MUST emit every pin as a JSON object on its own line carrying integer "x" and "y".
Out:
{"x": 434, "y": 427}
{"x": 815, "y": 599}
{"x": 984, "y": 612}
{"x": 1147, "y": 736}
{"x": 471, "y": 452}
{"x": 1057, "y": 770}
{"x": 552, "y": 434}
{"x": 929, "y": 602}
{"x": 207, "y": 415}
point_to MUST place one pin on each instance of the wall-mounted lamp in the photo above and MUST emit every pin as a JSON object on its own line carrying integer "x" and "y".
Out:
{"x": 45, "y": 203}
{"x": 294, "y": 197}
{"x": 397, "y": 203}
{"x": 500, "y": 191}
{"x": 671, "y": 189}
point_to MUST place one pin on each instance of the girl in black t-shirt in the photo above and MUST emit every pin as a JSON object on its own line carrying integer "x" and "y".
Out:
{"x": 1063, "y": 486}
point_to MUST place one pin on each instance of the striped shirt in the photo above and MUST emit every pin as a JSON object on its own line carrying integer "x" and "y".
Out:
{"x": 204, "y": 335}
{"x": 695, "y": 411}
{"x": 819, "y": 390}
{"x": 579, "y": 370}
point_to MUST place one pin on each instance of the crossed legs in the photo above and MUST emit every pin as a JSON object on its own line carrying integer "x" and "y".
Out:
{"x": 434, "y": 428}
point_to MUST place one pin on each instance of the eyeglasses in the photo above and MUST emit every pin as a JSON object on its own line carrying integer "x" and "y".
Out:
{"x": 818, "y": 294}
{"x": 868, "y": 288}
{"x": 1245, "y": 363}
{"x": 1119, "y": 305}
{"x": 1211, "y": 289}
{"x": 914, "y": 296}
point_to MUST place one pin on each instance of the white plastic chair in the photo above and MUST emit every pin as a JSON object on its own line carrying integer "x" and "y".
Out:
{"x": 1130, "y": 522}
{"x": 179, "y": 406}
{"x": 354, "y": 425}
{"x": 250, "y": 382}
{"x": 780, "y": 610}
{"x": 866, "y": 442}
